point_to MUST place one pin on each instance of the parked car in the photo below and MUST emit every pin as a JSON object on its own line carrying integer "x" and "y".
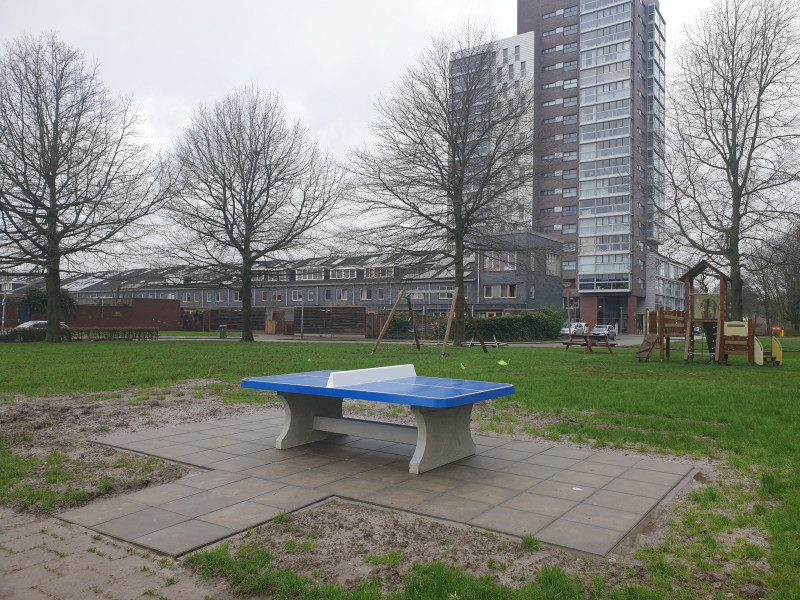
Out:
{"x": 18, "y": 336}
{"x": 579, "y": 327}
{"x": 565, "y": 328}
{"x": 605, "y": 330}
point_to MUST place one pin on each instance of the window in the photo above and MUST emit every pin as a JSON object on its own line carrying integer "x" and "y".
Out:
{"x": 328, "y": 294}
{"x": 310, "y": 274}
{"x": 571, "y": 65}
{"x": 501, "y": 261}
{"x": 571, "y": 101}
{"x": 446, "y": 291}
{"x": 567, "y": 211}
{"x": 500, "y": 291}
{"x": 505, "y": 55}
{"x": 571, "y": 155}
{"x": 264, "y": 295}
{"x": 552, "y": 264}
{"x": 365, "y": 294}
{"x": 343, "y": 273}
{"x": 571, "y": 29}
{"x": 569, "y": 228}
{"x": 570, "y": 83}
{"x": 570, "y": 137}
{"x": 516, "y": 52}
{"x": 571, "y": 11}
{"x": 522, "y": 69}
{"x": 569, "y": 174}
{"x": 532, "y": 292}
{"x": 511, "y": 71}
{"x": 237, "y": 297}
{"x": 380, "y": 294}
{"x": 186, "y": 297}
{"x": 297, "y": 295}
{"x": 571, "y": 47}
{"x": 568, "y": 265}
{"x": 570, "y": 119}
{"x": 342, "y": 294}
{"x": 553, "y": 67}
{"x": 570, "y": 192}
{"x": 379, "y": 272}
{"x": 570, "y": 246}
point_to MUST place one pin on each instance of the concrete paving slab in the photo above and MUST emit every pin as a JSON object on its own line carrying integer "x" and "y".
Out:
{"x": 241, "y": 516}
{"x": 453, "y": 508}
{"x": 199, "y": 503}
{"x": 184, "y": 537}
{"x": 100, "y": 512}
{"x": 211, "y": 479}
{"x": 544, "y": 505}
{"x": 602, "y": 516}
{"x": 511, "y": 521}
{"x": 572, "y": 497}
{"x": 135, "y": 525}
{"x": 291, "y": 497}
{"x": 483, "y": 493}
{"x": 579, "y": 536}
{"x": 159, "y": 494}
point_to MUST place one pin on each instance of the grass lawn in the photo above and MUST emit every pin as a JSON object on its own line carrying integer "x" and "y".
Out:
{"x": 746, "y": 415}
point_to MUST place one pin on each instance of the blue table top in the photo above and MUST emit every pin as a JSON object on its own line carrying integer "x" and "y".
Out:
{"x": 432, "y": 392}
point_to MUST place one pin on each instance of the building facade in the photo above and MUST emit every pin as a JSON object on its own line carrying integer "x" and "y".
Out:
{"x": 600, "y": 114}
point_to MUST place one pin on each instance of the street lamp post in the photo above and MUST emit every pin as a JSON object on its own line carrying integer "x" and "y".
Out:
{"x": 302, "y": 311}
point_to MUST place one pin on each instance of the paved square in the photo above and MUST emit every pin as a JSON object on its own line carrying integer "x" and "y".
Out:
{"x": 575, "y": 498}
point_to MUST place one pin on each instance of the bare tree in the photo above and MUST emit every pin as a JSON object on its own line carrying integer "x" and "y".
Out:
{"x": 775, "y": 278}
{"x": 732, "y": 146}
{"x": 74, "y": 174}
{"x": 250, "y": 185}
{"x": 452, "y": 159}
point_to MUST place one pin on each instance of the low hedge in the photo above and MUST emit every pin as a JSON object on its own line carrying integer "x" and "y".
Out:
{"x": 541, "y": 324}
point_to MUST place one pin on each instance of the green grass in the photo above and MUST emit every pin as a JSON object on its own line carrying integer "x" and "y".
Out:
{"x": 249, "y": 572}
{"x": 747, "y": 416}
{"x": 198, "y": 334}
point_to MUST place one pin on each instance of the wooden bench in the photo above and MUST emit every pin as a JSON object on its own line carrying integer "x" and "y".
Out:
{"x": 587, "y": 340}
{"x": 442, "y": 409}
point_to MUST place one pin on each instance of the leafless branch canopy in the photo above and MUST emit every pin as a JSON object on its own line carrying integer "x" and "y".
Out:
{"x": 452, "y": 153}
{"x": 734, "y": 129}
{"x": 74, "y": 172}
{"x": 250, "y": 184}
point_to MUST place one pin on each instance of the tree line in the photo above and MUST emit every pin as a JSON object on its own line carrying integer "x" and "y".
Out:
{"x": 245, "y": 182}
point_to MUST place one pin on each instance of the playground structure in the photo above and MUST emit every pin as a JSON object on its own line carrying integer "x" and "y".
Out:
{"x": 703, "y": 328}
{"x": 459, "y": 302}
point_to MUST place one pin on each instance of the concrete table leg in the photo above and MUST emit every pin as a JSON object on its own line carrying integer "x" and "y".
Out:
{"x": 442, "y": 436}
{"x": 298, "y": 427}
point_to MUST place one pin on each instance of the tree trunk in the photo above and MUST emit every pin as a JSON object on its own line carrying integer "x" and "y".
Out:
{"x": 247, "y": 302}
{"x": 53, "y": 282}
{"x": 458, "y": 322}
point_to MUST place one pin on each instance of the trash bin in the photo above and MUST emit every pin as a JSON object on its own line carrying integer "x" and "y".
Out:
{"x": 223, "y": 331}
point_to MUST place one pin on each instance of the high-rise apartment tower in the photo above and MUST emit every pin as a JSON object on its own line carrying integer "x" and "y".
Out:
{"x": 599, "y": 69}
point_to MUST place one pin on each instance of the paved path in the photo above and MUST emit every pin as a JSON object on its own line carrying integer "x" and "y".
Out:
{"x": 50, "y": 559}
{"x": 576, "y": 498}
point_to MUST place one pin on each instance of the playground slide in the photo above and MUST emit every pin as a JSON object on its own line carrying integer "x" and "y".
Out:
{"x": 758, "y": 352}
{"x": 776, "y": 351}
{"x": 646, "y": 349}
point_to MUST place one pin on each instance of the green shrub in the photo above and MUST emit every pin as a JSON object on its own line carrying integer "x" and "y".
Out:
{"x": 541, "y": 324}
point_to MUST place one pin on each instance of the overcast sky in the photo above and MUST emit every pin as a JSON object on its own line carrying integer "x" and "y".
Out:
{"x": 328, "y": 59}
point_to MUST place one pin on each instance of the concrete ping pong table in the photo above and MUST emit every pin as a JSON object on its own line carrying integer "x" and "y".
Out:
{"x": 441, "y": 407}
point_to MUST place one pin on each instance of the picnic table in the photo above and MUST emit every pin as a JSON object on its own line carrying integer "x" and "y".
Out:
{"x": 588, "y": 340}
{"x": 442, "y": 409}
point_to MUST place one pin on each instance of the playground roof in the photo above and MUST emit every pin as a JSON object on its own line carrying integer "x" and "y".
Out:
{"x": 699, "y": 268}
